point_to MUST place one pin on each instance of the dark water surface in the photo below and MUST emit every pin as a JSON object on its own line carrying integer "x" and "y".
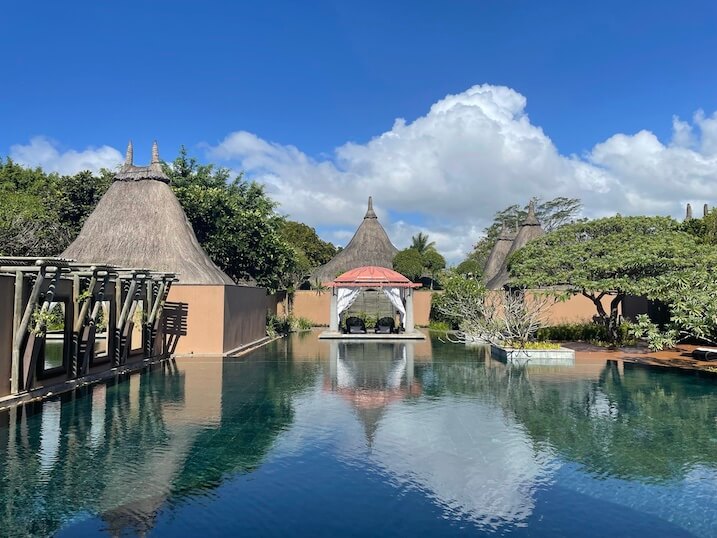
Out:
{"x": 307, "y": 438}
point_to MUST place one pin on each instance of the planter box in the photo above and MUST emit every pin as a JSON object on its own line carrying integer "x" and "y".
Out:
{"x": 554, "y": 357}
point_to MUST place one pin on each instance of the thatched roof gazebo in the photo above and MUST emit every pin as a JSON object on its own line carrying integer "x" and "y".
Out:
{"x": 140, "y": 223}
{"x": 529, "y": 229}
{"x": 370, "y": 246}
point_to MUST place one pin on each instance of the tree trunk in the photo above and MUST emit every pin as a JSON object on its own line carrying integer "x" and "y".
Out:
{"x": 597, "y": 301}
{"x": 613, "y": 325}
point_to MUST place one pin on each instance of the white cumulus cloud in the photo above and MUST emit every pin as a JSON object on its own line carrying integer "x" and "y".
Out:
{"x": 43, "y": 152}
{"x": 471, "y": 154}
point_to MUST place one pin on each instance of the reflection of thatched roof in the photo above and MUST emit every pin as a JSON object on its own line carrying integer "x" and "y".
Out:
{"x": 530, "y": 229}
{"x": 140, "y": 223}
{"x": 498, "y": 254}
{"x": 370, "y": 245}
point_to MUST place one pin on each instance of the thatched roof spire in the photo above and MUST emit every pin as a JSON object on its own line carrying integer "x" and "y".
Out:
{"x": 155, "y": 153}
{"x": 370, "y": 214}
{"x": 129, "y": 156}
{"x": 370, "y": 245}
{"x": 140, "y": 223}
{"x": 688, "y": 213}
{"x": 130, "y": 172}
{"x": 498, "y": 253}
{"x": 529, "y": 230}
{"x": 531, "y": 219}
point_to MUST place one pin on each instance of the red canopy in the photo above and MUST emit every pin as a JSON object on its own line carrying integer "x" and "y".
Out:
{"x": 371, "y": 277}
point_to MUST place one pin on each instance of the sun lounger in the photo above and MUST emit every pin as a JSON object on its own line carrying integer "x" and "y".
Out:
{"x": 355, "y": 325}
{"x": 385, "y": 325}
{"x": 705, "y": 353}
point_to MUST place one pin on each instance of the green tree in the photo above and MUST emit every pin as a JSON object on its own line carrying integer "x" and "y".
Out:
{"x": 612, "y": 256}
{"x": 409, "y": 263}
{"x": 469, "y": 267}
{"x": 433, "y": 263}
{"x": 307, "y": 243}
{"x": 421, "y": 243}
{"x": 238, "y": 228}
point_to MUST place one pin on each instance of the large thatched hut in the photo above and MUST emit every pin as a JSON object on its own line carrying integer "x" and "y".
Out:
{"x": 140, "y": 223}
{"x": 529, "y": 230}
{"x": 498, "y": 254}
{"x": 370, "y": 246}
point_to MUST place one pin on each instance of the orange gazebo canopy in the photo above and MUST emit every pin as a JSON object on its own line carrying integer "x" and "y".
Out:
{"x": 371, "y": 276}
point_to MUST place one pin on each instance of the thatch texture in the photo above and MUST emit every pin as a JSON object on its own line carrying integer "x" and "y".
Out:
{"x": 530, "y": 229}
{"x": 370, "y": 245}
{"x": 498, "y": 254}
{"x": 140, "y": 223}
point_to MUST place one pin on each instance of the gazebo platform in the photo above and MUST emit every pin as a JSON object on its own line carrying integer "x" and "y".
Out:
{"x": 334, "y": 335}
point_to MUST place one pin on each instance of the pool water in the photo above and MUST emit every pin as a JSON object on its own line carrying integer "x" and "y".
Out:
{"x": 313, "y": 438}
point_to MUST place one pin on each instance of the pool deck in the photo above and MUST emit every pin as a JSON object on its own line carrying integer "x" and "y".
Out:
{"x": 679, "y": 357}
{"x": 331, "y": 335}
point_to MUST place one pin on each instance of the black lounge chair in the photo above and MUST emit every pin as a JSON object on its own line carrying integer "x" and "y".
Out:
{"x": 355, "y": 325}
{"x": 385, "y": 325}
{"x": 705, "y": 353}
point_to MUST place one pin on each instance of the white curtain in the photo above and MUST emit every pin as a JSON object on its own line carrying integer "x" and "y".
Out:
{"x": 345, "y": 298}
{"x": 394, "y": 295}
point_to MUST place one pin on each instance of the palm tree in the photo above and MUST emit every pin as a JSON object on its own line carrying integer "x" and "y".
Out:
{"x": 421, "y": 244}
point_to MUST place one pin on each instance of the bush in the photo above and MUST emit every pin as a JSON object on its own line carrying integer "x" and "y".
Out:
{"x": 442, "y": 326}
{"x": 368, "y": 319}
{"x": 301, "y": 324}
{"x": 583, "y": 332}
{"x": 282, "y": 325}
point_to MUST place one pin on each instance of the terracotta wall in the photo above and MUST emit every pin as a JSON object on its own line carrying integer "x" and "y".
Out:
{"x": 197, "y": 317}
{"x": 577, "y": 309}
{"x": 308, "y": 304}
{"x": 422, "y": 308}
{"x": 217, "y": 319}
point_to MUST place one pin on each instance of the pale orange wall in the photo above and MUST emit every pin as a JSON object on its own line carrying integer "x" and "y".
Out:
{"x": 310, "y": 305}
{"x": 205, "y": 318}
{"x": 577, "y": 309}
{"x": 422, "y": 307}
{"x": 220, "y": 319}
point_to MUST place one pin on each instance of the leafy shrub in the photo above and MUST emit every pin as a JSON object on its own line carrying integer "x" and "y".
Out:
{"x": 583, "y": 332}
{"x": 442, "y": 326}
{"x": 282, "y": 325}
{"x": 368, "y": 319}
{"x": 301, "y": 324}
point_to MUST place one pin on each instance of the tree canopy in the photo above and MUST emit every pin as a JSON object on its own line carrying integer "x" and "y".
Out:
{"x": 421, "y": 259}
{"x": 613, "y": 256}
{"x": 234, "y": 221}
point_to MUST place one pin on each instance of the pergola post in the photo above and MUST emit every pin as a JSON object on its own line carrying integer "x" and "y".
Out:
{"x": 333, "y": 315}
{"x": 409, "y": 311}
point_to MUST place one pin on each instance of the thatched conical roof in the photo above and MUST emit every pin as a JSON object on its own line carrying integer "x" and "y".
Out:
{"x": 529, "y": 230}
{"x": 140, "y": 223}
{"x": 498, "y": 253}
{"x": 370, "y": 245}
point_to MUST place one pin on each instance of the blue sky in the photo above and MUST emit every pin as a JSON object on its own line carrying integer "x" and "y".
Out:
{"x": 576, "y": 98}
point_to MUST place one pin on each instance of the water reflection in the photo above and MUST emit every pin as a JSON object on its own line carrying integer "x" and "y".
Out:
{"x": 442, "y": 428}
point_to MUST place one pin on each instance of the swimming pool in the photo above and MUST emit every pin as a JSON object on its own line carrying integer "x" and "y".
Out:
{"x": 315, "y": 438}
